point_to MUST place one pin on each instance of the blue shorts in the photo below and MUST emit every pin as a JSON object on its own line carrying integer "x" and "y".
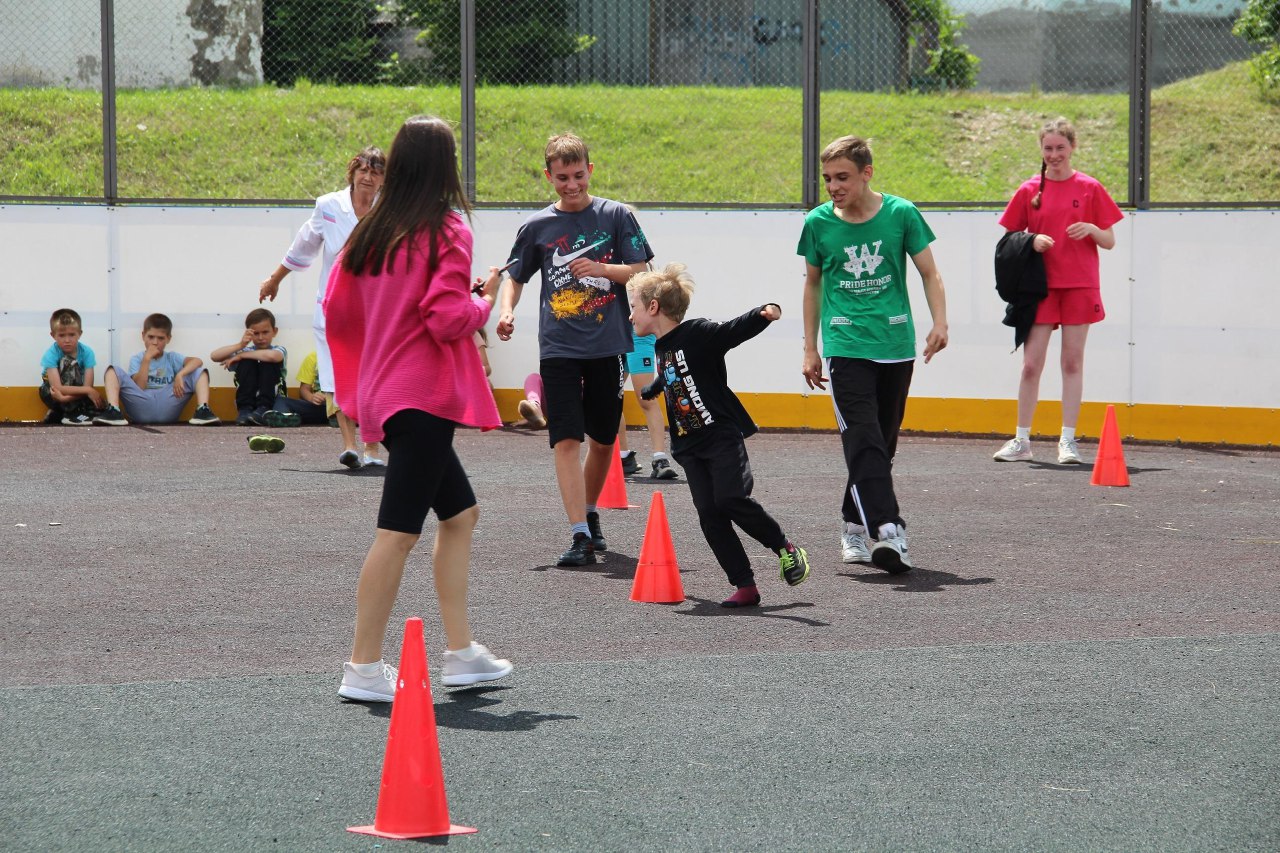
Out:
{"x": 640, "y": 359}
{"x": 154, "y": 405}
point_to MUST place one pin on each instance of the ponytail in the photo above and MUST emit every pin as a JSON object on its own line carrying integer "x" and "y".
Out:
{"x": 1035, "y": 201}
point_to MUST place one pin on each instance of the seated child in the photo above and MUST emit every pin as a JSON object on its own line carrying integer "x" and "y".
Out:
{"x": 66, "y": 371}
{"x": 158, "y": 383}
{"x": 708, "y": 423}
{"x": 311, "y": 406}
{"x": 259, "y": 367}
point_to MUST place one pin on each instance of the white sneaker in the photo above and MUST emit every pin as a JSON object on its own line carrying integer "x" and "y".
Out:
{"x": 373, "y": 460}
{"x": 368, "y": 688}
{"x": 1014, "y": 450}
{"x": 890, "y": 553}
{"x": 1068, "y": 452}
{"x": 471, "y": 666}
{"x": 853, "y": 544}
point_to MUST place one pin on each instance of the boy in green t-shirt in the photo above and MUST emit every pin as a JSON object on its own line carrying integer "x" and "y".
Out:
{"x": 855, "y": 249}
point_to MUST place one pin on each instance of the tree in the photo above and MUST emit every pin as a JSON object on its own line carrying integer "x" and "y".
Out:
{"x": 517, "y": 41}
{"x": 1259, "y": 23}
{"x": 327, "y": 41}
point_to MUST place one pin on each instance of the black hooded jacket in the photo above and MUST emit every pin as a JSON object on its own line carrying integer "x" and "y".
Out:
{"x": 1020, "y": 281}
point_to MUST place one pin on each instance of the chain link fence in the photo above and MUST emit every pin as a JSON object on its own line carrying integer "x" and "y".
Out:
{"x": 683, "y": 102}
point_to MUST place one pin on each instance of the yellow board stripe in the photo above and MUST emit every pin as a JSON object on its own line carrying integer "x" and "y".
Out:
{"x": 959, "y": 416}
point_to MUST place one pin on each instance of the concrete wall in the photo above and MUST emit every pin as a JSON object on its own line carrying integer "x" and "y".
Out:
{"x": 1187, "y": 347}
{"x": 158, "y": 43}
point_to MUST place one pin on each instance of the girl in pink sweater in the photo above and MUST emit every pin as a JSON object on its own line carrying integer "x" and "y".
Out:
{"x": 400, "y": 314}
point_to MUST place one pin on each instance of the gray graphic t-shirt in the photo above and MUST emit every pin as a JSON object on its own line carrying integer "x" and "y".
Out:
{"x": 580, "y": 318}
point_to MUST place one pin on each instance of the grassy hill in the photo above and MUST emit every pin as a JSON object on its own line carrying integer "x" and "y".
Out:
{"x": 1214, "y": 140}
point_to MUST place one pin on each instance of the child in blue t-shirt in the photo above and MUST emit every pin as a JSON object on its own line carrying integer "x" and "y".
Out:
{"x": 66, "y": 371}
{"x": 158, "y": 383}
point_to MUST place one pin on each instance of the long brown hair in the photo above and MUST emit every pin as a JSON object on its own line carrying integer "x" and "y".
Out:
{"x": 422, "y": 186}
{"x": 1063, "y": 128}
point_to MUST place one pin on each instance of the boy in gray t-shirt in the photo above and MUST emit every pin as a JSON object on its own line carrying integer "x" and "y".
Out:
{"x": 585, "y": 249}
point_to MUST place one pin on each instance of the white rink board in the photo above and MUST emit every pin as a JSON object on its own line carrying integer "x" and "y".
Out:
{"x": 1192, "y": 297}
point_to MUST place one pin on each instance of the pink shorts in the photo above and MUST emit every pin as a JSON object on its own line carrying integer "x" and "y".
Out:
{"x": 1071, "y": 306}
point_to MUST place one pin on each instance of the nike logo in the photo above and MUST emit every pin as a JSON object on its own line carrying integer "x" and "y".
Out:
{"x": 559, "y": 260}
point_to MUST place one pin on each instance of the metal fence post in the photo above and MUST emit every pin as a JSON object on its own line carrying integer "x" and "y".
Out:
{"x": 810, "y": 47}
{"x": 1140, "y": 105}
{"x": 110, "y": 181}
{"x": 468, "y": 92}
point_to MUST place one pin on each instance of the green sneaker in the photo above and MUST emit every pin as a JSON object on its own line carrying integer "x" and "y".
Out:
{"x": 265, "y": 444}
{"x": 277, "y": 419}
{"x": 795, "y": 564}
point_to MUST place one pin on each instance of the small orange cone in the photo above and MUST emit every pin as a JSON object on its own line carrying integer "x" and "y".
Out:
{"x": 614, "y": 493}
{"x": 1109, "y": 468}
{"x": 411, "y": 801}
{"x": 657, "y": 574}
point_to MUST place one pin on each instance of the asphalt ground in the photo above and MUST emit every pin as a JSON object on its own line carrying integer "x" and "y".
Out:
{"x": 1070, "y": 667}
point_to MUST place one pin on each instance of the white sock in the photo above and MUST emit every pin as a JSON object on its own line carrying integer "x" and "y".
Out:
{"x": 469, "y": 653}
{"x": 1068, "y": 433}
{"x": 1023, "y": 433}
{"x": 660, "y": 455}
{"x": 368, "y": 670}
{"x": 850, "y": 527}
{"x": 888, "y": 530}
{"x": 625, "y": 453}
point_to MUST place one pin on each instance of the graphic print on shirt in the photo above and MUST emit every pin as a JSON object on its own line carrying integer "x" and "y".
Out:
{"x": 864, "y": 259}
{"x": 684, "y": 403}
{"x": 578, "y": 297}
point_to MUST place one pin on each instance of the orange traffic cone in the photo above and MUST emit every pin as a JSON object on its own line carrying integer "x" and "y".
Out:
{"x": 1109, "y": 468}
{"x": 614, "y": 493}
{"x": 657, "y": 574}
{"x": 411, "y": 802}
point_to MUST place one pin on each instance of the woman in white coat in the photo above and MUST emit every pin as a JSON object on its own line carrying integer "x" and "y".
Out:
{"x": 331, "y": 223}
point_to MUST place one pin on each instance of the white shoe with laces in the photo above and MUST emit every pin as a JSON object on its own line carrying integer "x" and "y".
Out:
{"x": 853, "y": 544}
{"x": 368, "y": 688}
{"x": 472, "y": 665}
{"x": 1068, "y": 452}
{"x": 1014, "y": 450}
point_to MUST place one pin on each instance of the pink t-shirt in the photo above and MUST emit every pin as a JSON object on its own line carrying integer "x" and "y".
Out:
{"x": 402, "y": 339}
{"x": 1080, "y": 198}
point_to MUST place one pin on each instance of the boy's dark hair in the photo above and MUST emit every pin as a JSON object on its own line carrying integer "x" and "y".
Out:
{"x": 64, "y": 317}
{"x": 421, "y": 189}
{"x": 567, "y": 148}
{"x": 853, "y": 148}
{"x": 257, "y": 315}
{"x": 161, "y": 322}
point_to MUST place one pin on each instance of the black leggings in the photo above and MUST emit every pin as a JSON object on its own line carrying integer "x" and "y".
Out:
{"x": 423, "y": 473}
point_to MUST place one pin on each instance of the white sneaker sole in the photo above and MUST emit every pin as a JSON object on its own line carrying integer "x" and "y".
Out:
{"x": 861, "y": 559}
{"x": 474, "y": 677}
{"x": 1018, "y": 458}
{"x": 360, "y": 695}
{"x": 1069, "y": 460}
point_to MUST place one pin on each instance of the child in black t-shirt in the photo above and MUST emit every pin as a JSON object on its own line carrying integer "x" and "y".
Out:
{"x": 708, "y": 423}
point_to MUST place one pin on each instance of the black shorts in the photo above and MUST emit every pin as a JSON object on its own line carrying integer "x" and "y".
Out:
{"x": 583, "y": 396}
{"x": 423, "y": 472}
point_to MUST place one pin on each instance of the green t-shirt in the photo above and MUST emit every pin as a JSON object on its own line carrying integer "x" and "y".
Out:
{"x": 865, "y": 311}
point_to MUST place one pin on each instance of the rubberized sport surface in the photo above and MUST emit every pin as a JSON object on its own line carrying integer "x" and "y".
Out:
{"x": 1070, "y": 667}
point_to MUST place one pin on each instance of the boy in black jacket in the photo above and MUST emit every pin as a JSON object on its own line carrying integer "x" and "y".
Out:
{"x": 708, "y": 423}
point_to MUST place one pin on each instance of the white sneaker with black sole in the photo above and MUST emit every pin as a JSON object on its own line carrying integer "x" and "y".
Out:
{"x": 890, "y": 553}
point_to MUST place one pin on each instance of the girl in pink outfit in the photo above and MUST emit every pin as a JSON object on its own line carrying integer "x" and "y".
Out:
{"x": 400, "y": 316}
{"x": 1071, "y": 216}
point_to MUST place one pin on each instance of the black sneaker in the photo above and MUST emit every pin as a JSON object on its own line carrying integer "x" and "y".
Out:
{"x": 662, "y": 470}
{"x": 52, "y": 417}
{"x": 276, "y": 419}
{"x": 203, "y": 416}
{"x": 597, "y": 535}
{"x": 794, "y": 564}
{"x": 630, "y": 465}
{"x": 245, "y": 418}
{"x": 77, "y": 420}
{"x": 110, "y": 416}
{"x": 580, "y": 553}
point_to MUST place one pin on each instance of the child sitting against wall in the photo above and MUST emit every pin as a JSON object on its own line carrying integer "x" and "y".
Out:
{"x": 66, "y": 371}
{"x": 158, "y": 383}
{"x": 259, "y": 367}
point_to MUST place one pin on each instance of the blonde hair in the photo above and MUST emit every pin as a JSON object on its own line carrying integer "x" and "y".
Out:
{"x": 853, "y": 148}
{"x": 567, "y": 148}
{"x": 1067, "y": 131}
{"x": 671, "y": 286}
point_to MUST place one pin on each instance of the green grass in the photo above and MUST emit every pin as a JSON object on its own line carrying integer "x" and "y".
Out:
{"x": 1213, "y": 139}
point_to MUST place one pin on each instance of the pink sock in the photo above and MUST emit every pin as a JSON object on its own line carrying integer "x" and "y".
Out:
{"x": 533, "y": 389}
{"x": 746, "y": 596}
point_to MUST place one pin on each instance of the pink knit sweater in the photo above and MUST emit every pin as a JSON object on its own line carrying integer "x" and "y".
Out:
{"x": 402, "y": 339}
